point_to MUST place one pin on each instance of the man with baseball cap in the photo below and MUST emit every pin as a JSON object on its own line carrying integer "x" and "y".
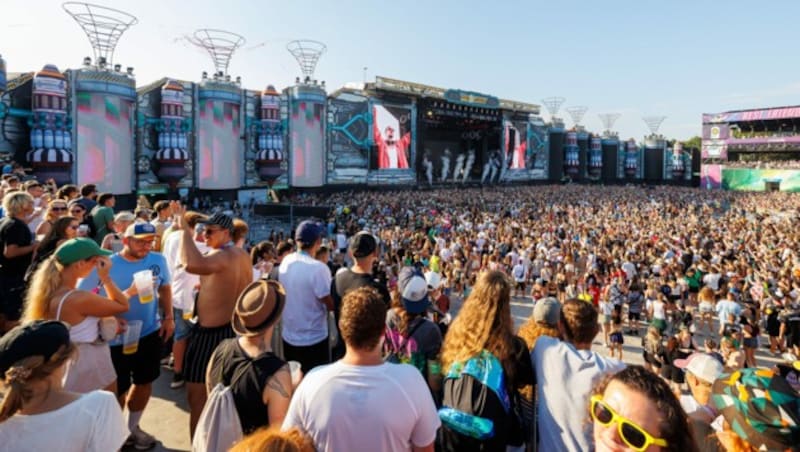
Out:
{"x": 364, "y": 250}
{"x": 224, "y": 272}
{"x": 701, "y": 369}
{"x": 308, "y": 300}
{"x": 136, "y": 372}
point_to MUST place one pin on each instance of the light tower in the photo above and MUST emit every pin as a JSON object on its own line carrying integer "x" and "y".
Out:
{"x": 608, "y": 120}
{"x": 653, "y": 123}
{"x": 576, "y": 113}
{"x": 307, "y": 53}
{"x": 220, "y": 45}
{"x": 103, "y": 26}
{"x": 553, "y": 104}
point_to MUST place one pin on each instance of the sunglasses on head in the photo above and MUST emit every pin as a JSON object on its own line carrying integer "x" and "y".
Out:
{"x": 632, "y": 434}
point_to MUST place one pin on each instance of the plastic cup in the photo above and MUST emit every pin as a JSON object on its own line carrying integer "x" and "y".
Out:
{"x": 294, "y": 370}
{"x": 144, "y": 285}
{"x": 130, "y": 339}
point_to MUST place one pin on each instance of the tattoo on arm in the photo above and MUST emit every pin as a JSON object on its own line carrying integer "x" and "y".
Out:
{"x": 275, "y": 384}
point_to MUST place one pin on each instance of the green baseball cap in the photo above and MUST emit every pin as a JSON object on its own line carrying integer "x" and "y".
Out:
{"x": 74, "y": 250}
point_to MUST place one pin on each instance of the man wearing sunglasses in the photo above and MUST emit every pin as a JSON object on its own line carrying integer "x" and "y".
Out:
{"x": 225, "y": 272}
{"x": 565, "y": 372}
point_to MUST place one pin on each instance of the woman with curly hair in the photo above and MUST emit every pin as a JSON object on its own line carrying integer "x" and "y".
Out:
{"x": 633, "y": 409}
{"x": 485, "y": 365}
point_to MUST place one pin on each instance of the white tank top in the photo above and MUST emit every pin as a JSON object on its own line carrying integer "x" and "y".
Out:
{"x": 86, "y": 331}
{"x": 658, "y": 310}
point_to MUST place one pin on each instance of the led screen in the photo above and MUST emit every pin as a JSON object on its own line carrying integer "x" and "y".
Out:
{"x": 307, "y": 157}
{"x": 219, "y": 163}
{"x": 105, "y": 142}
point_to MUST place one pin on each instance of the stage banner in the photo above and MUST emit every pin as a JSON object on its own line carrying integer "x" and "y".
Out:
{"x": 744, "y": 179}
{"x": 349, "y": 123}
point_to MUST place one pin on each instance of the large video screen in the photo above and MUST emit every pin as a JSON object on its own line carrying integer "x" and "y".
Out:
{"x": 105, "y": 142}
{"x": 515, "y": 138}
{"x": 307, "y": 157}
{"x": 391, "y": 131}
{"x": 219, "y": 163}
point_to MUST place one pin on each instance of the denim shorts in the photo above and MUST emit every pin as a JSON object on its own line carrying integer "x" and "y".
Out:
{"x": 182, "y": 326}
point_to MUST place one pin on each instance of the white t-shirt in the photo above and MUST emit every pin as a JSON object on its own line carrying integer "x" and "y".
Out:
{"x": 306, "y": 280}
{"x": 564, "y": 377}
{"x": 382, "y": 408}
{"x": 92, "y": 423}
{"x": 183, "y": 282}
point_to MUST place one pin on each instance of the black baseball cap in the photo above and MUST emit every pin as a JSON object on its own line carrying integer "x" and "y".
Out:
{"x": 363, "y": 244}
{"x": 220, "y": 219}
{"x": 38, "y": 338}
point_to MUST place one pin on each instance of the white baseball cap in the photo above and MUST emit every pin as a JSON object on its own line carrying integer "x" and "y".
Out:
{"x": 702, "y": 366}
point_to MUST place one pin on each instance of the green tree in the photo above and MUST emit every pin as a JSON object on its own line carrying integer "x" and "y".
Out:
{"x": 693, "y": 142}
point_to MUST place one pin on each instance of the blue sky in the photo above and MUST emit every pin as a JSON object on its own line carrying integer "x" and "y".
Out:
{"x": 638, "y": 58}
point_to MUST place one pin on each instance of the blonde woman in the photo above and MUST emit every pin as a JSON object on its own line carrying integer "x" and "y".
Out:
{"x": 52, "y": 295}
{"x": 483, "y": 334}
{"x": 707, "y": 307}
{"x": 55, "y": 210}
{"x": 17, "y": 245}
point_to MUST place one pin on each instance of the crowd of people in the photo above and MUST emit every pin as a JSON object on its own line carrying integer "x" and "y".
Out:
{"x": 341, "y": 336}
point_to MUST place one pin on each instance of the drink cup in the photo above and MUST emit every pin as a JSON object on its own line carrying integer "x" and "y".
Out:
{"x": 130, "y": 339}
{"x": 144, "y": 285}
{"x": 294, "y": 370}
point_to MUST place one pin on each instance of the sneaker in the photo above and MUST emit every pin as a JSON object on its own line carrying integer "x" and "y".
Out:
{"x": 177, "y": 381}
{"x": 141, "y": 440}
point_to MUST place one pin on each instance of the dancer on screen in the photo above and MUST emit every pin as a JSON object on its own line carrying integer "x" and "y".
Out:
{"x": 391, "y": 151}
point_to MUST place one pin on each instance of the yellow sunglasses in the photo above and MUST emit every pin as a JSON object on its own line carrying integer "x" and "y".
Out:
{"x": 632, "y": 434}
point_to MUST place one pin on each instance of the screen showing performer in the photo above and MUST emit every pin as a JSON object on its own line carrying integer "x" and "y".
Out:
{"x": 392, "y": 135}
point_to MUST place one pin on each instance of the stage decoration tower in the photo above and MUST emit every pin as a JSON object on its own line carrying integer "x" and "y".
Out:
{"x": 307, "y": 117}
{"x": 631, "y": 158}
{"x": 653, "y": 123}
{"x": 103, "y": 26}
{"x": 105, "y": 99}
{"x": 595, "y": 166}
{"x": 51, "y": 140}
{"x": 220, "y": 152}
{"x": 571, "y": 155}
{"x": 608, "y": 120}
{"x": 576, "y": 113}
{"x": 553, "y": 104}
{"x": 172, "y": 152}
{"x": 678, "y": 165}
{"x": 270, "y": 137}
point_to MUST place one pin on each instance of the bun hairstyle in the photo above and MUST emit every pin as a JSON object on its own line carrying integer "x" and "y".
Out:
{"x": 19, "y": 378}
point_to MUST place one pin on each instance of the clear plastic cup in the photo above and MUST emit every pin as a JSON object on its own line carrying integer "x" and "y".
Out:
{"x": 130, "y": 339}
{"x": 144, "y": 285}
{"x": 294, "y": 371}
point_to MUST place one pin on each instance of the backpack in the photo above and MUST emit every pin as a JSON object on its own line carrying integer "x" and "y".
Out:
{"x": 396, "y": 348}
{"x": 219, "y": 426}
{"x": 477, "y": 405}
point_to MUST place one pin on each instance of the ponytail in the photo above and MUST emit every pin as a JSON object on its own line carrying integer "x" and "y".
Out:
{"x": 46, "y": 281}
{"x": 23, "y": 373}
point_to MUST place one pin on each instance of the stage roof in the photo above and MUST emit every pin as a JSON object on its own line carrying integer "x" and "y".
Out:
{"x": 758, "y": 114}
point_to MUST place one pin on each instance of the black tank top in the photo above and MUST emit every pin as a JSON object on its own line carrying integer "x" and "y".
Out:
{"x": 251, "y": 376}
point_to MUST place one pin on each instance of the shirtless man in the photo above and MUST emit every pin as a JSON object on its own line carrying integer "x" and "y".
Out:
{"x": 224, "y": 273}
